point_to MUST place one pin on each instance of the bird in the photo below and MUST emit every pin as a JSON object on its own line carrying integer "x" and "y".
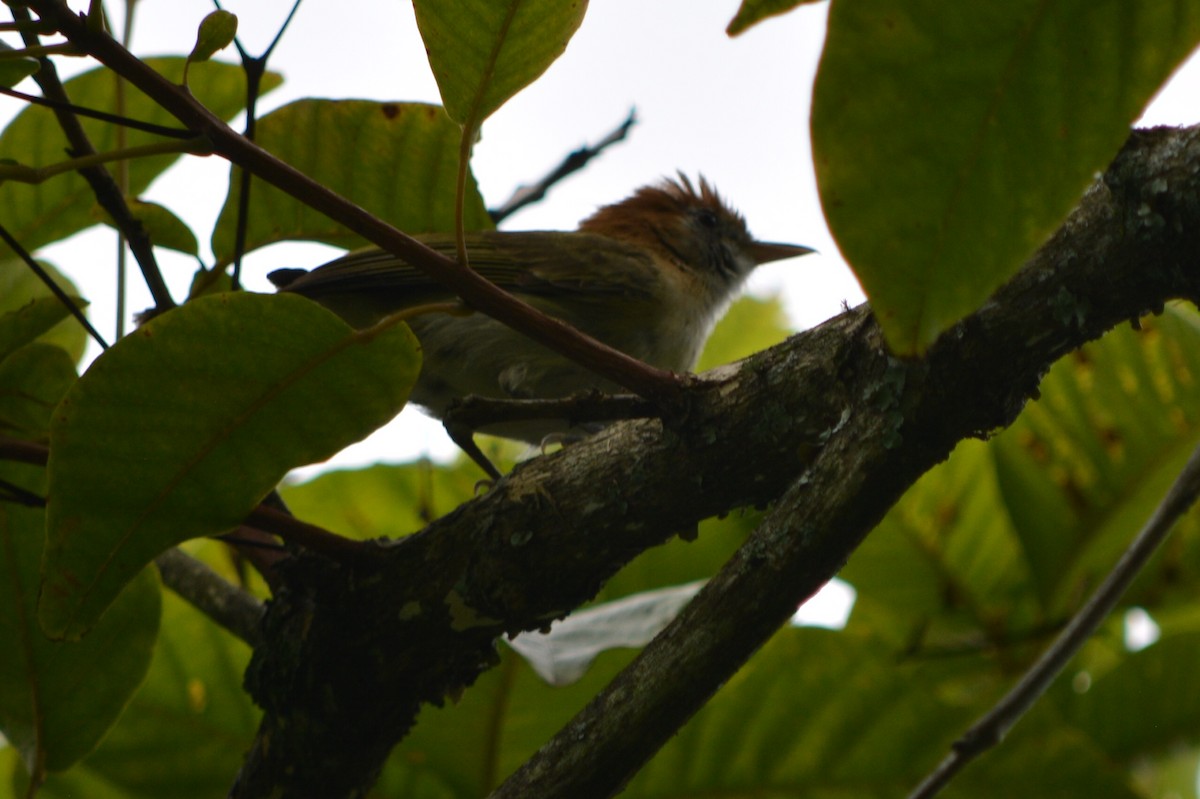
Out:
{"x": 649, "y": 276}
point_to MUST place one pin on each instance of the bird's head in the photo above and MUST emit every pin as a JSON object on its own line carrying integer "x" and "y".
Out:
{"x": 692, "y": 227}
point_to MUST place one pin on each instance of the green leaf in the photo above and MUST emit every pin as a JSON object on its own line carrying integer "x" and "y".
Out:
{"x": 32, "y": 382}
{"x": 681, "y": 560}
{"x": 817, "y": 713}
{"x": 753, "y": 12}
{"x": 37, "y": 317}
{"x": 1159, "y": 681}
{"x": 951, "y": 139}
{"x": 464, "y": 749}
{"x": 39, "y": 214}
{"x": 161, "y": 224}
{"x": 482, "y": 52}
{"x": 216, "y": 32}
{"x": 945, "y": 570}
{"x": 382, "y": 501}
{"x": 749, "y": 326}
{"x": 18, "y": 287}
{"x": 15, "y": 70}
{"x": 396, "y": 160}
{"x": 1083, "y": 467}
{"x": 58, "y": 699}
{"x": 186, "y": 730}
{"x": 182, "y": 427}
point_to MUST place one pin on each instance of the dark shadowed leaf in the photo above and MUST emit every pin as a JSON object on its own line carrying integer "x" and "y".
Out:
{"x": 182, "y": 427}
{"x": 397, "y": 160}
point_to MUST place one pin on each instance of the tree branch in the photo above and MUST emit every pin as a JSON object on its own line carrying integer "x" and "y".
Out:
{"x": 828, "y": 425}
{"x": 227, "y": 605}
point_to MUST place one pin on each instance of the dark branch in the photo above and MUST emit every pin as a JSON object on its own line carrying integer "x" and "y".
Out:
{"x": 575, "y": 161}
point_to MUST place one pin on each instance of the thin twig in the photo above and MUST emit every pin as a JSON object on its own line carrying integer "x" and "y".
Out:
{"x": 469, "y": 414}
{"x": 993, "y": 726}
{"x": 34, "y": 175}
{"x": 14, "y": 449}
{"x": 103, "y": 116}
{"x": 108, "y": 194}
{"x": 303, "y": 534}
{"x": 255, "y": 68}
{"x": 55, "y": 289}
{"x": 229, "y": 606}
{"x": 530, "y": 194}
{"x": 11, "y": 492}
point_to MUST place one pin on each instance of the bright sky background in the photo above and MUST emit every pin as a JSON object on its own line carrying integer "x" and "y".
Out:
{"x": 734, "y": 110}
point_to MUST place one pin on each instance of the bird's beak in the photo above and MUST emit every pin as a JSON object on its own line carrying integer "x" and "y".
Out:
{"x": 764, "y": 252}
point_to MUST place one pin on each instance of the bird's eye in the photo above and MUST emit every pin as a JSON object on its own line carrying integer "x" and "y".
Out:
{"x": 707, "y": 218}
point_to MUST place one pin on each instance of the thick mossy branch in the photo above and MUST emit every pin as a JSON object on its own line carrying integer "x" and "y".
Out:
{"x": 828, "y": 426}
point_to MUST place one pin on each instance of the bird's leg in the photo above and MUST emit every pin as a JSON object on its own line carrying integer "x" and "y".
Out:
{"x": 464, "y": 436}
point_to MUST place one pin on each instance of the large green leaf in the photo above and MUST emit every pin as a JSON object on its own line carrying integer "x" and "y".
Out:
{"x": 484, "y": 51}
{"x": 39, "y": 214}
{"x": 817, "y": 713}
{"x": 382, "y": 501}
{"x": 951, "y": 138}
{"x": 58, "y": 699}
{"x": 181, "y": 428}
{"x": 1160, "y": 681}
{"x": 462, "y": 751}
{"x": 748, "y": 326}
{"x": 186, "y": 730}
{"x": 397, "y": 160}
{"x": 1083, "y": 467}
{"x": 945, "y": 568}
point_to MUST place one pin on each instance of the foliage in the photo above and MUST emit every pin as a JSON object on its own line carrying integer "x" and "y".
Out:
{"x": 181, "y": 428}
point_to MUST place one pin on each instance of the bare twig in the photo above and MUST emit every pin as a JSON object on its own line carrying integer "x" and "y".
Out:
{"x": 108, "y": 194}
{"x": 56, "y": 289}
{"x": 303, "y": 534}
{"x": 992, "y": 727}
{"x": 255, "y": 68}
{"x": 226, "y": 604}
{"x": 11, "y": 492}
{"x": 530, "y": 194}
{"x": 467, "y": 415}
{"x": 103, "y": 116}
{"x": 14, "y": 449}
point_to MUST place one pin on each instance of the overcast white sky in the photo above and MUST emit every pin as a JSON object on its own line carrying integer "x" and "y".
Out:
{"x": 735, "y": 110}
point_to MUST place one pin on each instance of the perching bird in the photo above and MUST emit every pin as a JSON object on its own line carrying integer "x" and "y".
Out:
{"x": 649, "y": 276}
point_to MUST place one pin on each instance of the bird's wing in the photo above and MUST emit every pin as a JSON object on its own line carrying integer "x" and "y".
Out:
{"x": 529, "y": 263}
